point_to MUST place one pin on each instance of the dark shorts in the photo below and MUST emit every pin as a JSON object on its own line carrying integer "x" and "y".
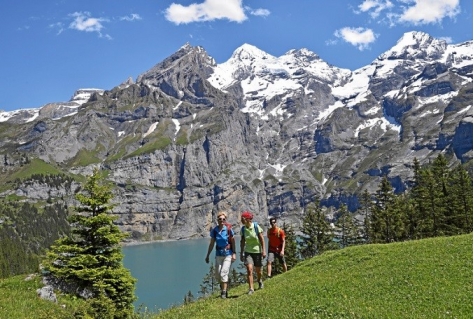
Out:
{"x": 253, "y": 259}
{"x": 272, "y": 255}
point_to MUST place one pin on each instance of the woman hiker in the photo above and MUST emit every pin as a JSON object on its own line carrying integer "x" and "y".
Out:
{"x": 223, "y": 236}
{"x": 252, "y": 248}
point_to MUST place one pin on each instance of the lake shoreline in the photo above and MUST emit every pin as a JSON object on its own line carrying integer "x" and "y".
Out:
{"x": 136, "y": 243}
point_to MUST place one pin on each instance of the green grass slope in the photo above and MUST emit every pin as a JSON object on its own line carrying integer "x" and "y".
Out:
{"x": 429, "y": 278}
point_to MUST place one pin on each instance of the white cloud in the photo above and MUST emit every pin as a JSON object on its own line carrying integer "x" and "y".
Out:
{"x": 375, "y": 7}
{"x": 84, "y": 22}
{"x": 59, "y": 26}
{"x": 429, "y": 11}
{"x": 258, "y": 12}
{"x": 331, "y": 42}
{"x": 359, "y": 37}
{"x": 206, "y": 11}
{"x": 132, "y": 17}
{"x": 25, "y": 27}
{"x": 415, "y": 12}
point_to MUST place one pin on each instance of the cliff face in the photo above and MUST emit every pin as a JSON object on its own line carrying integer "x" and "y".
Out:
{"x": 190, "y": 137}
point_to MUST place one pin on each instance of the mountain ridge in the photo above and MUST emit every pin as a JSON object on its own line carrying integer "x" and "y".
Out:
{"x": 408, "y": 42}
{"x": 268, "y": 134}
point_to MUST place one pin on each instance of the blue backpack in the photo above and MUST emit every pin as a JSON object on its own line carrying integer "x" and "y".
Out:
{"x": 255, "y": 226}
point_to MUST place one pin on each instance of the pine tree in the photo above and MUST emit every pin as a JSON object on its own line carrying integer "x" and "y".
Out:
{"x": 237, "y": 278}
{"x": 418, "y": 213}
{"x": 317, "y": 235}
{"x": 460, "y": 199}
{"x": 433, "y": 218}
{"x": 91, "y": 258}
{"x": 365, "y": 209}
{"x": 347, "y": 232}
{"x": 440, "y": 172}
{"x": 386, "y": 221}
{"x": 412, "y": 218}
{"x": 188, "y": 298}
{"x": 209, "y": 283}
{"x": 291, "y": 246}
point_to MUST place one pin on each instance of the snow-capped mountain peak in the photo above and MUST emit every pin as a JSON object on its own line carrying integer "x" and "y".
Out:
{"x": 303, "y": 54}
{"x": 187, "y": 46}
{"x": 249, "y": 52}
{"x": 55, "y": 110}
{"x": 262, "y": 76}
{"x": 415, "y": 45}
{"x": 81, "y": 96}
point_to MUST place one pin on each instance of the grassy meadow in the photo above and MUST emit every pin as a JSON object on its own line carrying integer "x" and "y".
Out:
{"x": 430, "y": 278}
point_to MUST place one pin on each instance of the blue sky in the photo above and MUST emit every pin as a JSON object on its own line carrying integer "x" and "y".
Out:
{"x": 50, "y": 48}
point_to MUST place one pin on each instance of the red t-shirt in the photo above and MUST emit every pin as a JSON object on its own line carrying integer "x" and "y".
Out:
{"x": 275, "y": 239}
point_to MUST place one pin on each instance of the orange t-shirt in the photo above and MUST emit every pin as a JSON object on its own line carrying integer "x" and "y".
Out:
{"x": 275, "y": 242}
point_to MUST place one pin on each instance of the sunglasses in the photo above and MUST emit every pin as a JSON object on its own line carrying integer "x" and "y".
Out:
{"x": 273, "y": 222}
{"x": 221, "y": 219}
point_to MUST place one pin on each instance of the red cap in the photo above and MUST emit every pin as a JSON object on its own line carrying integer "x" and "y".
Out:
{"x": 247, "y": 215}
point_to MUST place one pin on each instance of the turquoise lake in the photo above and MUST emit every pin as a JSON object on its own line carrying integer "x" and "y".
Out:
{"x": 166, "y": 271}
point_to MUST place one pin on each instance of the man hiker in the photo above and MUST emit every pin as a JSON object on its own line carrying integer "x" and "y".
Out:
{"x": 276, "y": 246}
{"x": 252, "y": 249}
{"x": 223, "y": 236}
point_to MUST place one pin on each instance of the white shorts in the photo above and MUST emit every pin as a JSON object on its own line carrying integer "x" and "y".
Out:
{"x": 223, "y": 267}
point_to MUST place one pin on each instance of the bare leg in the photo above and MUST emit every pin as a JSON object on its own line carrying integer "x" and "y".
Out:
{"x": 269, "y": 269}
{"x": 250, "y": 276}
{"x": 258, "y": 270}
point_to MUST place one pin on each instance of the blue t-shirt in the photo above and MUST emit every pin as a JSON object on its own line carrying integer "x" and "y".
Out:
{"x": 222, "y": 240}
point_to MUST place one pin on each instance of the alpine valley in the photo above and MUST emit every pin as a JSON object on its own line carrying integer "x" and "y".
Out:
{"x": 190, "y": 137}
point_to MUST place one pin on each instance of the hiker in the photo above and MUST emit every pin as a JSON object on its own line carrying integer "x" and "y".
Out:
{"x": 252, "y": 249}
{"x": 276, "y": 246}
{"x": 223, "y": 236}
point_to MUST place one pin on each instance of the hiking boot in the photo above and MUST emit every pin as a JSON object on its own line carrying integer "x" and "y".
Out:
{"x": 260, "y": 284}
{"x": 250, "y": 291}
{"x": 223, "y": 294}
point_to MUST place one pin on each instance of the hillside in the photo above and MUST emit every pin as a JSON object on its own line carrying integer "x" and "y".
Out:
{"x": 430, "y": 278}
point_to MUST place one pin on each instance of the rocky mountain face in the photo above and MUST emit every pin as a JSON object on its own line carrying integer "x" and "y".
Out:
{"x": 267, "y": 134}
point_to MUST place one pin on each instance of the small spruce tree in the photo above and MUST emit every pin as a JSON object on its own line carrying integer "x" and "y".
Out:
{"x": 90, "y": 259}
{"x": 188, "y": 298}
{"x": 209, "y": 283}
